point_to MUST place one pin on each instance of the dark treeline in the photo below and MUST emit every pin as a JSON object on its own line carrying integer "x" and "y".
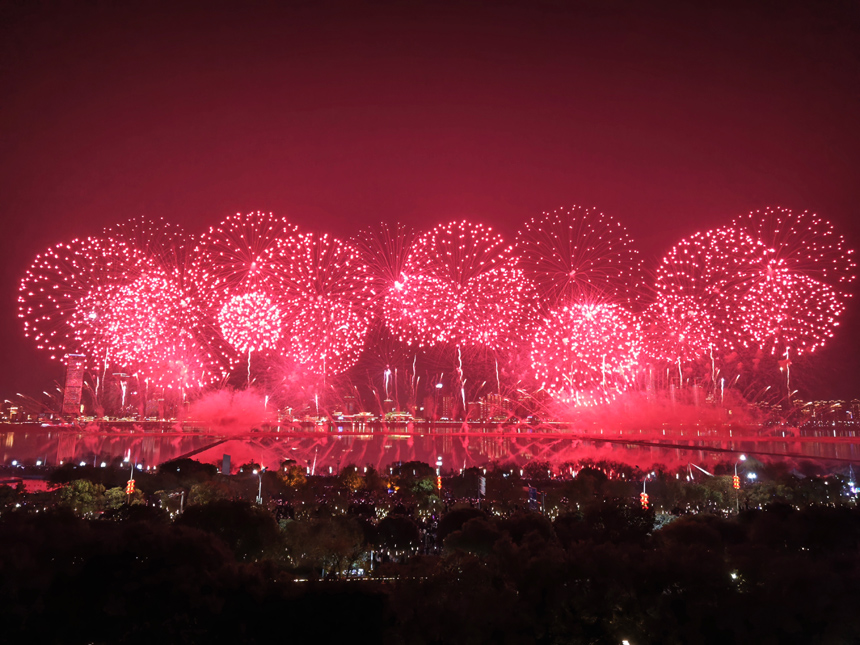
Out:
{"x": 385, "y": 557}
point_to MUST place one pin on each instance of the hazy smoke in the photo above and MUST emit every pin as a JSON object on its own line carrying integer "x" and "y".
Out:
{"x": 230, "y": 411}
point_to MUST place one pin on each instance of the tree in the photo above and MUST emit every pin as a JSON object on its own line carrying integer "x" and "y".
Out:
{"x": 349, "y": 478}
{"x": 398, "y": 533}
{"x": 373, "y": 481}
{"x": 454, "y": 521}
{"x": 333, "y": 544}
{"x": 537, "y": 470}
{"x": 83, "y": 497}
{"x": 293, "y": 475}
{"x": 249, "y": 531}
{"x": 207, "y": 492}
{"x": 116, "y": 497}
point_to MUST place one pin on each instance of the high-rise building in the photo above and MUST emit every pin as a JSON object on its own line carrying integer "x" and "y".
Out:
{"x": 448, "y": 407}
{"x": 74, "y": 384}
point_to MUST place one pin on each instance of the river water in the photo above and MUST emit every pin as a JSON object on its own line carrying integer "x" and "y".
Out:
{"x": 330, "y": 447}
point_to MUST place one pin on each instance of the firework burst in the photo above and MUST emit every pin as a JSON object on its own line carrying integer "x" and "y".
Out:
{"x": 700, "y": 288}
{"x": 325, "y": 293}
{"x": 66, "y": 293}
{"x": 461, "y": 285}
{"x": 250, "y": 322}
{"x": 229, "y": 259}
{"x": 579, "y": 254}
{"x": 585, "y": 352}
{"x": 384, "y": 249}
{"x": 797, "y": 290}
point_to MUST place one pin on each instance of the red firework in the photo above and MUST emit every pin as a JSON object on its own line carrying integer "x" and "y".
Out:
{"x": 160, "y": 243}
{"x": 461, "y": 285}
{"x": 798, "y": 289}
{"x": 802, "y": 244}
{"x": 64, "y": 296}
{"x": 325, "y": 292}
{"x": 700, "y": 290}
{"x": 585, "y": 352}
{"x": 191, "y": 351}
{"x": 385, "y": 249}
{"x": 229, "y": 259}
{"x": 153, "y": 330}
{"x": 675, "y": 329}
{"x": 579, "y": 253}
{"x": 250, "y": 322}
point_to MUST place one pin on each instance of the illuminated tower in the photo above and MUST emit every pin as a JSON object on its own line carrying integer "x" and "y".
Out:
{"x": 74, "y": 384}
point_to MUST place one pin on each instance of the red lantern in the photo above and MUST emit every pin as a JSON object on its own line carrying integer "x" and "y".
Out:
{"x": 129, "y": 487}
{"x": 643, "y": 498}
{"x": 736, "y": 482}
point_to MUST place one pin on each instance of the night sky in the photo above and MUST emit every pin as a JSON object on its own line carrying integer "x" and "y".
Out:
{"x": 671, "y": 117}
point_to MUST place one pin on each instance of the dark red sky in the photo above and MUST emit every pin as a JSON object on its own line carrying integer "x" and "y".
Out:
{"x": 672, "y": 117}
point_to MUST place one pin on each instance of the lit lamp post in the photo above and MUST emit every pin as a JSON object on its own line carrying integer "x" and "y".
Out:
{"x": 439, "y": 473}
{"x": 736, "y": 484}
{"x": 259, "y": 474}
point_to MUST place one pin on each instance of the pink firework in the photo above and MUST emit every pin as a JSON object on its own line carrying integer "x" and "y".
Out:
{"x": 229, "y": 258}
{"x": 385, "y": 249}
{"x": 798, "y": 289}
{"x": 64, "y": 296}
{"x": 579, "y": 253}
{"x": 700, "y": 288}
{"x": 325, "y": 293}
{"x": 788, "y": 310}
{"x": 250, "y": 322}
{"x": 461, "y": 285}
{"x": 676, "y": 329}
{"x": 152, "y": 327}
{"x": 802, "y": 244}
{"x": 162, "y": 244}
{"x": 582, "y": 353}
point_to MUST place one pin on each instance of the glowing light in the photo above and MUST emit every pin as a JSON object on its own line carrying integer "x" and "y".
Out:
{"x": 326, "y": 291}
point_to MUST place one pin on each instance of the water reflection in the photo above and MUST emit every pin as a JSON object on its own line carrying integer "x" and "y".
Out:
{"x": 337, "y": 446}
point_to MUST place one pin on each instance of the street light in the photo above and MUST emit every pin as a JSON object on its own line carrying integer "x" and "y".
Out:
{"x": 260, "y": 489}
{"x": 736, "y": 483}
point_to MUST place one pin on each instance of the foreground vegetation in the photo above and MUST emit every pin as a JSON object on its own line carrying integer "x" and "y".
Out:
{"x": 384, "y": 557}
